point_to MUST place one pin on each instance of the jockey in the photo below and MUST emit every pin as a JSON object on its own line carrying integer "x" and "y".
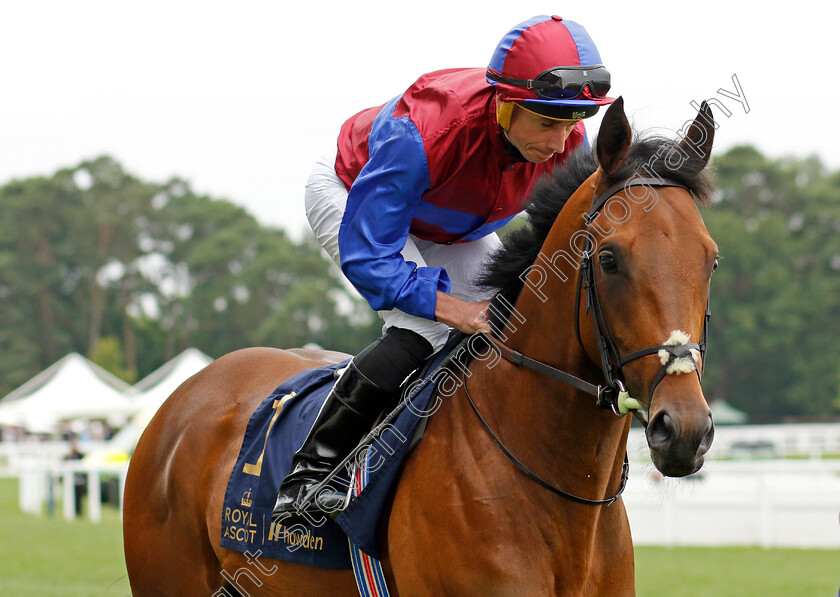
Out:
{"x": 409, "y": 201}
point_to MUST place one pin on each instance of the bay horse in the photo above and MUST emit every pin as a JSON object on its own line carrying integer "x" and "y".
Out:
{"x": 464, "y": 519}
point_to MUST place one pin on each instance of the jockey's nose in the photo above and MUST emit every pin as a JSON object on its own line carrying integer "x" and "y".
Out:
{"x": 557, "y": 141}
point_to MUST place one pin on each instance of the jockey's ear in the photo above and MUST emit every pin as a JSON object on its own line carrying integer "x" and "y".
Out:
{"x": 504, "y": 112}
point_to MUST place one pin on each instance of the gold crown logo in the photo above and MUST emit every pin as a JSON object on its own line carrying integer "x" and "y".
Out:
{"x": 247, "y": 498}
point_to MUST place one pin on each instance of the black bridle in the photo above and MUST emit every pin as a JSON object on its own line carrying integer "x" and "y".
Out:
{"x": 611, "y": 360}
{"x": 611, "y": 394}
{"x": 607, "y": 395}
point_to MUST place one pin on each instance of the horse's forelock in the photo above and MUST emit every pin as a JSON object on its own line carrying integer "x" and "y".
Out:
{"x": 660, "y": 157}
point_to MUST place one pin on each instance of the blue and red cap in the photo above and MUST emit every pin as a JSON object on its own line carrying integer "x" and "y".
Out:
{"x": 552, "y": 67}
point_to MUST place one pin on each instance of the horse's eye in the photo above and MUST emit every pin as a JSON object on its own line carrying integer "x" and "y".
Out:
{"x": 608, "y": 261}
{"x": 715, "y": 265}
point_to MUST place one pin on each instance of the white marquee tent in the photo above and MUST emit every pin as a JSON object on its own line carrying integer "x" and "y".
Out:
{"x": 72, "y": 388}
{"x": 148, "y": 394}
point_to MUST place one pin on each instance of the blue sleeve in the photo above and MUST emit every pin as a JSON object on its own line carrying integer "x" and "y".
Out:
{"x": 380, "y": 206}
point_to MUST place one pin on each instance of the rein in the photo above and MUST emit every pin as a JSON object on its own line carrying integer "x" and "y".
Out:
{"x": 625, "y": 469}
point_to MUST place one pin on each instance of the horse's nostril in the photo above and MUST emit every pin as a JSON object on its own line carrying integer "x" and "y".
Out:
{"x": 661, "y": 431}
{"x": 709, "y": 427}
{"x": 708, "y": 436}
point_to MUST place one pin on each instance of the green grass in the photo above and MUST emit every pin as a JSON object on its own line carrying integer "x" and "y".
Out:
{"x": 736, "y": 572}
{"x": 48, "y": 557}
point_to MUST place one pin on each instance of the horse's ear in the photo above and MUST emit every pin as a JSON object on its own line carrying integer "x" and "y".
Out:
{"x": 700, "y": 135}
{"x": 613, "y": 138}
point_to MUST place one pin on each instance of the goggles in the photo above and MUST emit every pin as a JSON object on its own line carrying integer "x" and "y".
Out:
{"x": 563, "y": 82}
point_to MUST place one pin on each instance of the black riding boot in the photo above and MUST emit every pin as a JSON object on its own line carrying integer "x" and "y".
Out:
{"x": 347, "y": 414}
{"x": 357, "y": 399}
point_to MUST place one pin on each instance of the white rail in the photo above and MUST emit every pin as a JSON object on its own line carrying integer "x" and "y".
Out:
{"x": 786, "y": 503}
{"x": 39, "y": 487}
{"x": 812, "y": 440}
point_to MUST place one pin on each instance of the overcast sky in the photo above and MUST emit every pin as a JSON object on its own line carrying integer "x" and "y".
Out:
{"x": 241, "y": 98}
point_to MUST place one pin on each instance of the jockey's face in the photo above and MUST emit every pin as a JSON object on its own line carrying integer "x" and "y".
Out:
{"x": 536, "y": 137}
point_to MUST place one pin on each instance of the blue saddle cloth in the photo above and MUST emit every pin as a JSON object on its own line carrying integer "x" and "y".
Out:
{"x": 275, "y": 431}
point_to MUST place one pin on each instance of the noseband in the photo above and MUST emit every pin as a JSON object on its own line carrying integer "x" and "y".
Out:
{"x": 613, "y": 394}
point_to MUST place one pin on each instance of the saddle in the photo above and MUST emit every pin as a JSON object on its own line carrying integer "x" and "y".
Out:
{"x": 277, "y": 429}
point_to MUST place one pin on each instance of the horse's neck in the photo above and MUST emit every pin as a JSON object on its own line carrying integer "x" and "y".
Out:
{"x": 545, "y": 417}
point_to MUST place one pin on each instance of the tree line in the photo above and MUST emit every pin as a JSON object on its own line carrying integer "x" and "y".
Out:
{"x": 774, "y": 349}
{"x": 130, "y": 272}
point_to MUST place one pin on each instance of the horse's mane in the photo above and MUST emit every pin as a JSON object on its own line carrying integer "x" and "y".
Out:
{"x": 648, "y": 156}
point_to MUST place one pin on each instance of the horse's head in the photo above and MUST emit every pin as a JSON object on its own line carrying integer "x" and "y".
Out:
{"x": 646, "y": 283}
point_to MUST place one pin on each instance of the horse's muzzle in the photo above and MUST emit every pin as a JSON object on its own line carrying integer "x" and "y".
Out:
{"x": 678, "y": 440}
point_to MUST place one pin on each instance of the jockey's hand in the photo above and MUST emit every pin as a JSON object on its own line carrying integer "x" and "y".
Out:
{"x": 466, "y": 317}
